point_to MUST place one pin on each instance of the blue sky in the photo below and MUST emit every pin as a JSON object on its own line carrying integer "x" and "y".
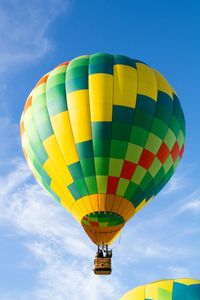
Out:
{"x": 44, "y": 254}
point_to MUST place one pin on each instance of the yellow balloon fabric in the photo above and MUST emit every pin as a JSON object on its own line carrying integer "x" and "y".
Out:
{"x": 178, "y": 289}
{"x": 103, "y": 134}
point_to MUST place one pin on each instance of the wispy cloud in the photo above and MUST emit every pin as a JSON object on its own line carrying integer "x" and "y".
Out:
{"x": 193, "y": 205}
{"x": 24, "y": 30}
{"x": 176, "y": 183}
{"x": 55, "y": 239}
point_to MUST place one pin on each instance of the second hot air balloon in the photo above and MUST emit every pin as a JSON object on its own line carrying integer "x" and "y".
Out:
{"x": 103, "y": 134}
{"x": 168, "y": 289}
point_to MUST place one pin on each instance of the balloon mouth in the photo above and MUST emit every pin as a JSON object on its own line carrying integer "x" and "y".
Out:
{"x": 102, "y": 227}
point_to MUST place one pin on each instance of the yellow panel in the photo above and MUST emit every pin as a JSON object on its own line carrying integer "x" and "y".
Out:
{"x": 163, "y": 85}
{"x": 147, "y": 84}
{"x": 88, "y": 205}
{"x": 188, "y": 281}
{"x": 53, "y": 151}
{"x": 79, "y": 112}
{"x": 151, "y": 290}
{"x": 61, "y": 192}
{"x": 102, "y": 202}
{"x": 77, "y": 211}
{"x": 129, "y": 212}
{"x": 101, "y": 97}
{"x": 63, "y": 132}
{"x": 95, "y": 202}
{"x": 57, "y": 185}
{"x": 125, "y": 85}
{"x": 136, "y": 294}
{"x": 79, "y": 207}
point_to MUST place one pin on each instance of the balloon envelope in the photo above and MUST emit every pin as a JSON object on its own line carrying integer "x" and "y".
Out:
{"x": 103, "y": 134}
{"x": 179, "y": 289}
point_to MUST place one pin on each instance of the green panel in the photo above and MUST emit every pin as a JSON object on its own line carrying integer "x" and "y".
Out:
{"x": 74, "y": 191}
{"x": 56, "y": 80}
{"x": 101, "y": 165}
{"x": 101, "y": 63}
{"x": 115, "y": 167}
{"x": 133, "y": 153}
{"x": 175, "y": 126}
{"x": 122, "y": 186}
{"x": 41, "y": 117}
{"x": 35, "y": 142}
{"x": 56, "y": 99}
{"x": 167, "y": 164}
{"x": 145, "y": 104}
{"x": 121, "y": 131}
{"x": 102, "y": 219}
{"x": 77, "y": 75}
{"x": 180, "y": 139}
{"x": 130, "y": 190}
{"x": 91, "y": 184}
{"x": 101, "y": 130}
{"x": 159, "y": 128}
{"x": 102, "y": 184}
{"x": 155, "y": 166}
{"x": 118, "y": 149}
{"x": 124, "y": 60}
{"x": 176, "y": 162}
{"x": 164, "y": 294}
{"x": 153, "y": 143}
{"x": 78, "y": 62}
{"x": 139, "y": 136}
{"x": 101, "y": 148}
{"x": 76, "y": 170}
{"x": 138, "y": 174}
{"x": 88, "y": 168}
{"x": 142, "y": 119}
{"x": 170, "y": 139}
{"x": 146, "y": 181}
{"x": 85, "y": 150}
{"x": 82, "y": 187}
{"x": 122, "y": 114}
{"x": 159, "y": 176}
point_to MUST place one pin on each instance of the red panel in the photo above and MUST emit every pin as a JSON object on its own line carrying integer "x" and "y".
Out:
{"x": 163, "y": 153}
{"x": 146, "y": 159}
{"x": 128, "y": 169}
{"x": 94, "y": 224}
{"x": 175, "y": 151}
{"x": 112, "y": 184}
{"x": 182, "y": 150}
{"x": 63, "y": 64}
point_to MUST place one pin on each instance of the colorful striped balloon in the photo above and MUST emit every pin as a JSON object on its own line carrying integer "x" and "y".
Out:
{"x": 179, "y": 289}
{"x": 103, "y": 134}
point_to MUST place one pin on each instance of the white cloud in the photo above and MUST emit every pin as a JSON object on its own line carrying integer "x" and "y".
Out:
{"x": 55, "y": 240}
{"x": 192, "y": 205}
{"x": 24, "y": 30}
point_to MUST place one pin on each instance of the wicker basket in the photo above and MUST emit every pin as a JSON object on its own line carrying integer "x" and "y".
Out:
{"x": 102, "y": 266}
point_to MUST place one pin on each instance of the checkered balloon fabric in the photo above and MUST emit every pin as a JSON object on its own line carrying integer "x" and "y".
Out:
{"x": 179, "y": 289}
{"x": 103, "y": 134}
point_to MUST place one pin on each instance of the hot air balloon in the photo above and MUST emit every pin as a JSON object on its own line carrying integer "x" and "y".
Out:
{"x": 103, "y": 134}
{"x": 178, "y": 289}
